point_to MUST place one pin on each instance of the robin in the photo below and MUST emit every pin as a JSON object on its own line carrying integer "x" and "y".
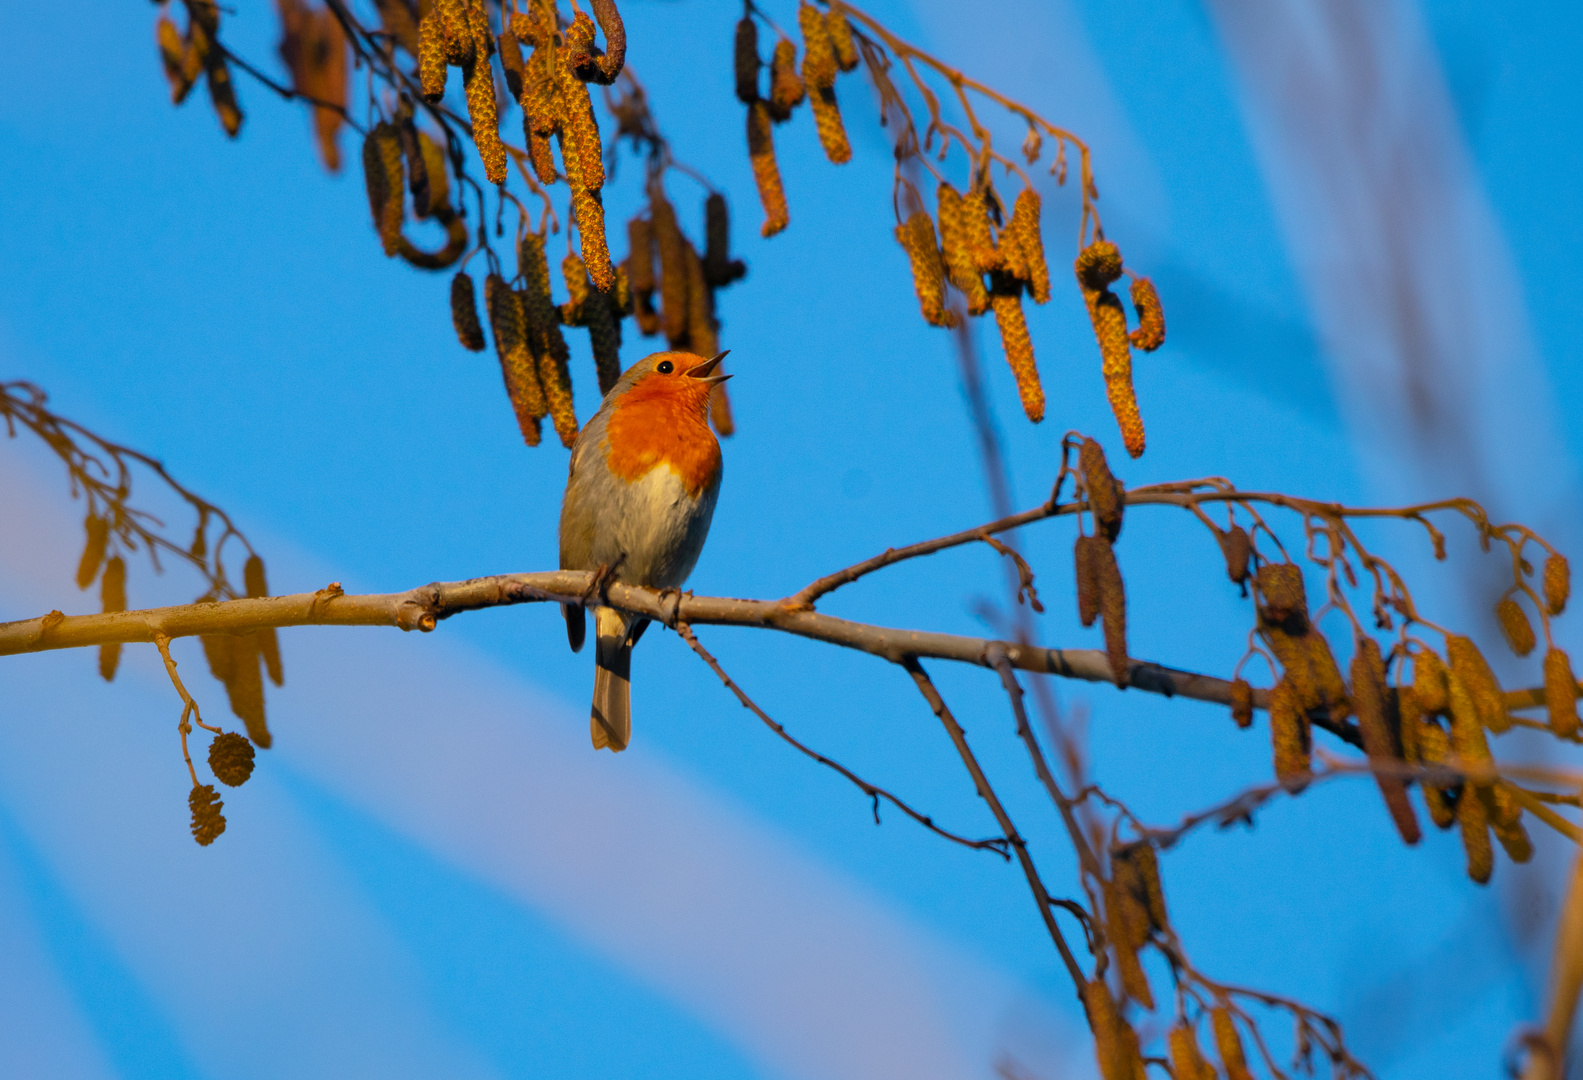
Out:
{"x": 645, "y": 472}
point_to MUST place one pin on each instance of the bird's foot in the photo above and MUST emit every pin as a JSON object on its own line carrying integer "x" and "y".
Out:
{"x": 599, "y": 584}
{"x": 676, "y": 595}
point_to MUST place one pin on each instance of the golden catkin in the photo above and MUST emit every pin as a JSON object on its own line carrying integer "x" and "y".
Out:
{"x": 1289, "y": 737}
{"x": 1229, "y": 1044}
{"x": 1468, "y": 664}
{"x": 544, "y": 335}
{"x": 786, "y": 86}
{"x": 766, "y": 173}
{"x": 1023, "y": 233}
{"x": 1137, "y": 870}
{"x": 464, "y": 313}
{"x": 222, "y": 93}
{"x": 1113, "y": 610}
{"x": 840, "y": 31}
{"x": 670, "y": 244}
{"x": 1115, "y": 1043}
{"x": 1515, "y": 627}
{"x": 431, "y": 57}
{"x": 579, "y": 132}
{"x": 97, "y": 530}
{"x": 1237, "y": 547}
{"x": 434, "y": 171}
{"x": 589, "y": 207}
{"x": 1283, "y": 600}
{"x": 171, "y": 51}
{"x": 1429, "y": 682}
{"x": 512, "y": 63}
{"x": 1514, "y": 838}
{"x": 539, "y": 111}
{"x": 382, "y": 175}
{"x": 957, "y": 253}
{"x": 1085, "y": 554}
{"x": 231, "y": 759}
{"x": 1187, "y": 1060}
{"x": 1110, "y": 328}
{"x": 1124, "y": 923}
{"x": 1369, "y": 699}
{"x": 1101, "y": 488}
{"x": 976, "y": 232}
{"x": 112, "y": 597}
{"x": 1242, "y": 703}
{"x": 207, "y": 821}
{"x": 1150, "y": 334}
{"x": 478, "y": 80}
{"x": 1473, "y": 820}
{"x": 916, "y": 236}
{"x": 1409, "y": 718}
{"x": 1006, "y": 301}
{"x": 253, "y": 581}
{"x": 1434, "y": 748}
{"x": 747, "y": 61}
{"x": 576, "y": 310}
{"x": 1097, "y": 266}
{"x": 456, "y": 31}
{"x": 1557, "y": 579}
{"x": 818, "y": 62}
{"x": 827, "y": 121}
{"x": 1561, "y": 693}
{"x": 517, "y": 367}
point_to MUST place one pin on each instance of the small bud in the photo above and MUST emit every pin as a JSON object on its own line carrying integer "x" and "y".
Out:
{"x": 1242, "y": 703}
{"x": 1237, "y": 547}
{"x": 1516, "y": 628}
{"x": 231, "y": 759}
{"x": 1557, "y": 583}
{"x": 1561, "y": 693}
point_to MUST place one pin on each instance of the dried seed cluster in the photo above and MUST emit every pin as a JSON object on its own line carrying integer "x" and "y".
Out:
{"x": 187, "y": 56}
{"x": 1100, "y": 590}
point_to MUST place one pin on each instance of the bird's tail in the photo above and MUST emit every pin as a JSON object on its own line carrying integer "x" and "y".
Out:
{"x": 611, "y": 720}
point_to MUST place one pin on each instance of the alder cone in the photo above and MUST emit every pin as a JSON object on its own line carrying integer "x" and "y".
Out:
{"x": 1150, "y": 334}
{"x": 1006, "y": 301}
{"x": 1557, "y": 583}
{"x": 231, "y": 759}
{"x": 1369, "y": 698}
{"x": 207, "y": 821}
{"x": 766, "y": 173}
{"x": 464, "y": 313}
{"x": 1515, "y": 627}
{"x": 1561, "y": 693}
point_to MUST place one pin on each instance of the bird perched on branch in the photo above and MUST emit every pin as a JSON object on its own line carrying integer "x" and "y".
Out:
{"x": 645, "y": 472}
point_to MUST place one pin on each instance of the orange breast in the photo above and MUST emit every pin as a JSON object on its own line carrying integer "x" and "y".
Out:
{"x": 661, "y": 422}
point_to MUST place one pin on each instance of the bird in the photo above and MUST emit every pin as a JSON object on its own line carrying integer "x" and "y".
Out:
{"x": 640, "y": 494}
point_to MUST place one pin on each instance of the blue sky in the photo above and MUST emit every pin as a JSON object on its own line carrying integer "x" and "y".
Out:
{"x": 434, "y": 861}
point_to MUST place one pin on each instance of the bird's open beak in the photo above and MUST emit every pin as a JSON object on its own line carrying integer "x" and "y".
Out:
{"x": 704, "y": 372}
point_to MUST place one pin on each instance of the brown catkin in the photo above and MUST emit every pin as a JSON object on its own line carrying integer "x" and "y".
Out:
{"x": 604, "y": 335}
{"x": 827, "y": 121}
{"x": 1097, "y": 266}
{"x": 1289, "y": 737}
{"x": 1110, "y": 328}
{"x": 916, "y": 236}
{"x": 112, "y": 597}
{"x": 1468, "y": 664}
{"x": 1085, "y": 554}
{"x": 1515, "y": 627}
{"x": 766, "y": 173}
{"x": 1429, "y": 681}
{"x": 511, "y": 62}
{"x": 516, "y": 362}
{"x": 1113, "y": 610}
{"x": 1283, "y": 599}
{"x": 478, "y": 80}
{"x": 1229, "y": 1044}
{"x": 1369, "y": 699}
{"x": 544, "y": 335}
{"x": 1187, "y": 1060}
{"x": 841, "y": 40}
{"x": 1561, "y": 694}
{"x": 97, "y": 531}
{"x": 818, "y": 62}
{"x": 1242, "y": 703}
{"x": 1006, "y": 301}
{"x": 1473, "y": 820}
{"x": 720, "y": 269}
{"x": 231, "y": 759}
{"x": 431, "y": 57}
{"x": 207, "y": 821}
{"x": 1557, "y": 579}
{"x": 701, "y": 334}
{"x": 670, "y": 243}
{"x": 1237, "y": 547}
{"x": 1150, "y": 334}
{"x": 640, "y": 255}
{"x": 1115, "y": 1043}
{"x": 171, "y": 53}
{"x": 245, "y": 688}
{"x": 253, "y": 581}
{"x": 464, "y": 313}
{"x": 1434, "y": 748}
{"x": 383, "y": 178}
{"x": 1023, "y": 233}
{"x": 955, "y": 248}
{"x": 1124, "y": 924}
{"x": 747, "y": 61}
{"x": 1514, "y": 838}
{"x": 1101, "y": 488}
{"x": 786, "y": 86}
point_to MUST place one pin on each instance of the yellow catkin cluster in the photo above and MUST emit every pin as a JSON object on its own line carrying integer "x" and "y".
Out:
{"x": 1469, "y": 665}
{"x": 207, "y": 821}
{"x": 464, "y": 313}
{"x": 1115, "y": 1042}
{"x": 517, "y": 367}
{"x": 1561, "y": 694}
{"x": 431, "y": 57}
{"x": 539, "y": 110}
{"x": 1289, "y": 737}
{"x": 253, "y": 581}
{"x": 1021, "y": 246}
{"x": 1409, "y": 717}
{"x": 766, "y": 173}
{"x": 1434, "y": 748}
{"x": 840, "y": 31}
{"x": 580, "y": 131}
{"x": 112, "y": 597}
{"x": 1113, "y": 610}
{"x": 1150, "y": 334}
{"x": 1005, "y": 300}
{"x": 1086, "y": 556}
{"x": 787, "y": 90}
{"x": 916, "y": 236}
{"x": 1237, "y": 547}
{"x": 1370, "y": 702}
{"x": 956, "y": 249}
{"x": 1557, "y": 581}
{"x": 383, "y": 178}
{"x": 545, "y": 340}
{"x": 747, "y": 63}
{"x": 231, "y": 759}
{"x": 1101, "y": 488}
{"x": 1515, "y": 627}
{"x": 819, "y": 69}
{"x": 1471, "y": 749}
{"x": 1229, "y": 1044}
{"x": 1310, "y": 666}
{"x": 1187, "y": 1060}
{"x": 1242, "y": 703}
{"x": 1137, "y": 871}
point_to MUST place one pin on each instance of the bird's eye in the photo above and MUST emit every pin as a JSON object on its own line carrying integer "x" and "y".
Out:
{"x": 665, "y": 367}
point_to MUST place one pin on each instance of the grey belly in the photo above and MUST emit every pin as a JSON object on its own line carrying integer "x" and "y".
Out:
{"x": 651, "y": 530}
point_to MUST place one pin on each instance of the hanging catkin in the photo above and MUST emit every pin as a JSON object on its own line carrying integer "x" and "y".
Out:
{"x": 916, "y": 236}
{"x": 669, "y": 242}
{"x": 112, "y": 598}
{"x": 1005, "y": 299}
{"x": 957, "y": 253}
{"x": 1557, "y": 583}
{"x": 464, "y": 313}
{"x": 1515, "y": 627}
{"x": 1150, "y": 334}
{"x": 516, "y": 362}
{"x": 1469, "y": 665}
{"x": 747, "y": 61}
{"x": 766, "y": 173}
{"x": 1561, "y": 693}
{"x": 1369, "y": 699}
{"x": 544, "y": 335}
{"x": 383, "y": 178}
